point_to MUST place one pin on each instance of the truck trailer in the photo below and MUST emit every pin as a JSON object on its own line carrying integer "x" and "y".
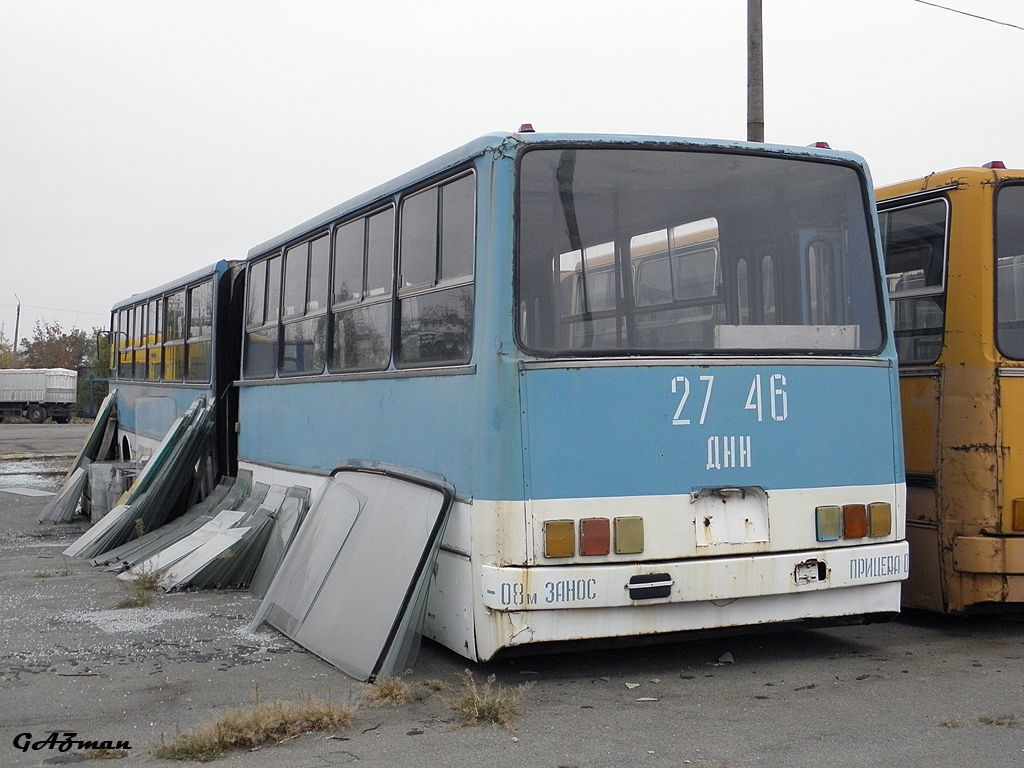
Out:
{"x": 38, "y": 393}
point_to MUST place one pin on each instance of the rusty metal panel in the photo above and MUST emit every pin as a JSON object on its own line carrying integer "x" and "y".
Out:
{"x": 923, "y": 587}
{"x": 989, "y": 554}
{"x": 919, "y": 403}
{"x": 1011, "y": 429}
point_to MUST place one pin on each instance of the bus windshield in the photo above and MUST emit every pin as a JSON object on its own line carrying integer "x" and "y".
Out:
{"x": 647, "y": 251}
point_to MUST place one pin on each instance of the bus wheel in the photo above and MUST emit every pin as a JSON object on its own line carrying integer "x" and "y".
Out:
{"x": 36, "y": 414}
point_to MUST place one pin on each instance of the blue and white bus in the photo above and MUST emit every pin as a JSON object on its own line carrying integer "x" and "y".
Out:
{"x": 657, "y": 371}
{"x": 171, "y": 345}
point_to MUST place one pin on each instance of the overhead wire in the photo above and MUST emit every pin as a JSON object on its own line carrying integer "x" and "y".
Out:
{"x": 972, "y": 15}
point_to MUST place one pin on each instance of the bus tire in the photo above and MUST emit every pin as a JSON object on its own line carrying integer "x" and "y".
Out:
{"x": 36, "y": 414}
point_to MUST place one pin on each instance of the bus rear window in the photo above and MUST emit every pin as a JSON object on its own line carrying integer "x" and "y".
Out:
{"x": 625, "y": 251}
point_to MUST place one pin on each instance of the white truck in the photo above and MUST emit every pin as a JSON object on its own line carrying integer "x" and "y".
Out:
{"x": 38, "y": 393}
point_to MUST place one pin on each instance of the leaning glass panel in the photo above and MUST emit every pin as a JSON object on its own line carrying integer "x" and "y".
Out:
{"x": 437, "y": 328}
{"x": 677, "y": 222}
{"x": 362, "y": 338}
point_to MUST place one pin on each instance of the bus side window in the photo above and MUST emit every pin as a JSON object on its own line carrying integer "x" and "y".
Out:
{"x": 914, "y": 239}
{"x": 436, "y": 256}
{"x": 199, "y": 342}
{"x": 1010, "y": 270}
{"x": 304, "y": 349}
{"x": 364, "y": 254}
{"x": 261, "y": 319}
{"x": 174, "y": 336}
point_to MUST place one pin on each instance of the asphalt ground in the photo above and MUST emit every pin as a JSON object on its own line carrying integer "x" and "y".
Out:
{"x": 921, "y": 691}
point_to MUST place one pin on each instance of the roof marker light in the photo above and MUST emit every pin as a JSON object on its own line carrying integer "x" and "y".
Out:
{"x": 526, "y": 128}
{"x": 995, "y": 165}
{"x": 820, "y": 145}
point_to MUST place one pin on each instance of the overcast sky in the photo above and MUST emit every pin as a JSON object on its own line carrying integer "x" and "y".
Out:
{"x": 140, "y": 141}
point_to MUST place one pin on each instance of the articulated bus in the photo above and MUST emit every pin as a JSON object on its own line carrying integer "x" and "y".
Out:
{"x": 171, "y": 345}
{"x": 658, "y": 373}
{"x": 954, "y": 253}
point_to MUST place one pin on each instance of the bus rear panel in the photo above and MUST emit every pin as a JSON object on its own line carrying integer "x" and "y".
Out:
{"x": 658, "y": 373}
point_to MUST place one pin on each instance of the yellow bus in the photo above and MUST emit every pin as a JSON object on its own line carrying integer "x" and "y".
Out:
{"x": 954, "y": 254}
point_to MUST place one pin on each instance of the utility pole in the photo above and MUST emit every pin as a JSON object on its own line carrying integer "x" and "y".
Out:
{"x": 14, "y": 345}
{"x": 755, "y": 73}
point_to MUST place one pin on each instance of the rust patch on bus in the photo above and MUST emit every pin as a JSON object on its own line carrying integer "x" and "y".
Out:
{"x": 974, "y": 448}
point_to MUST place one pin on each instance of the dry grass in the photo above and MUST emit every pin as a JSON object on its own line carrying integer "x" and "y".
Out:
{"x": 1003, "y": 721}
{"x": 140, "y": 590}
{"x": 487, "y": 703}
{"x": 103, "y": 754}
{"x": 389, "y": 691}
{"x": 261, "y": 725}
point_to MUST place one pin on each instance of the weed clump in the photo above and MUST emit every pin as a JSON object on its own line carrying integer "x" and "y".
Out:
{"x": 263, "y": 724}
{"x": 102, "y": 753}
{"x": 486, "y": 703}
{"x": 141, "y": 590}
{"x": 389, "y": 691}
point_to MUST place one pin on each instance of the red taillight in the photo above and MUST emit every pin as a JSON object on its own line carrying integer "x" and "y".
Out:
{"x": 855, "y": 521}
{"x": 595, "y": 536}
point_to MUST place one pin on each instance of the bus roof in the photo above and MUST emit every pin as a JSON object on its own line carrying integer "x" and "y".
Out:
{"x": 940, "y": 180}
{"x": 217, "y": 268}
{"x": 496, "y": 142}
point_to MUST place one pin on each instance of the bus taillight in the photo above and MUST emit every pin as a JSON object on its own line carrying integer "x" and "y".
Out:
{"x": 596, "y": 534}
{"x": 853, "y": 521}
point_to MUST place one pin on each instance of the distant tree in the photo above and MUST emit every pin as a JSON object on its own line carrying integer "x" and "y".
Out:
{"x": 53, "y": 347}
{"x": 5, "y": 351}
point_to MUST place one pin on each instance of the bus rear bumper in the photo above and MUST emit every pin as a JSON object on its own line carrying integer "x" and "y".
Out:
{"x": 691, "y": 581}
